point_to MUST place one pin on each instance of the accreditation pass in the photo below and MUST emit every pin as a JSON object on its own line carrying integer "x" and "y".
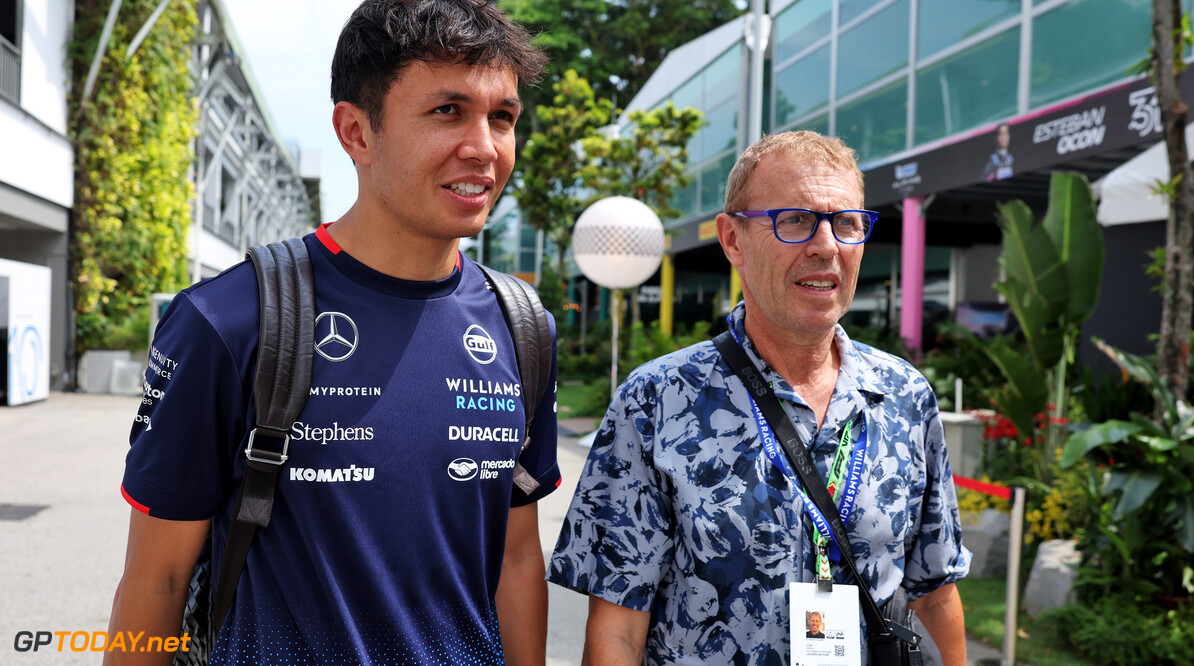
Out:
{"x": 825, "y": 629}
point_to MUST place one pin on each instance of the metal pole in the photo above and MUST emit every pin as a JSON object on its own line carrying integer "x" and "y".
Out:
{"x": 583, "y": 285}
{"x": 759, "y": 28}
{"x": 101, "y": 48}
{"x": 615, "y": 303}
{"x": 539, "y": 259}
{"x": 144, "y": 31}
{"x": 1015, "y": 540}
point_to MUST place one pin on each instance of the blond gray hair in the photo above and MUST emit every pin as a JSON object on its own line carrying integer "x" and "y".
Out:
{"x": 803, "y": 145}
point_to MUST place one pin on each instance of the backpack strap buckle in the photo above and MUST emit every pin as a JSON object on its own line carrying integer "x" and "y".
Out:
{"x": 265, "y": 454}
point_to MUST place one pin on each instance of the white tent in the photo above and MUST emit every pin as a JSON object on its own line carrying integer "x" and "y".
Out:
{"x": 1128, "y": 194}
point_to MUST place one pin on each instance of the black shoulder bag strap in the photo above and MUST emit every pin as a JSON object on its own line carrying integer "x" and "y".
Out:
{"x": 527, "y": 320}
{"x": 879, "y": 630}
{"x": 281, "y": 384}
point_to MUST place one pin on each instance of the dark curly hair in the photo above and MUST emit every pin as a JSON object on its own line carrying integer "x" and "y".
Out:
{"x": 382, "y": 37}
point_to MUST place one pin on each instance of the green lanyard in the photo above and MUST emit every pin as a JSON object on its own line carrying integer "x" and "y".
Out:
{"x": 836, "y": 475}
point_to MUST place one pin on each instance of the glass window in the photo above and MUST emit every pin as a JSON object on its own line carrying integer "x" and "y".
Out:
{"x": 944, "y": 23}
{"x": 874, "y": 126}
{"x": 10, "y": 24}
{"x": 721, "y": 131}
{"x": 803, "y": 87}
{"x": 800, "y": 25}
{"x": 874, "y": 49}
{"x": 820, "y": 124}
{"x": 971, "y": 88}
{"x": 1061, "y": 69}
{"x": 713, "y": 183}
{"x": 685, "y": 200}
{"x": 721, "y": 76}
{"x": 851, "y": 9}
{"x": 688, "y": 94}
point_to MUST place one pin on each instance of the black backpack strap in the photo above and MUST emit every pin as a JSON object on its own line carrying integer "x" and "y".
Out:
{"x": 527, "y": 320}
{"x": 281, "y": 384}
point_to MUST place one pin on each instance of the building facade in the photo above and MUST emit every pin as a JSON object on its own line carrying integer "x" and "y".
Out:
{"x": 37, "y": 168}
{"x": 952, "y": 106}
{"x": 250, "y": 187}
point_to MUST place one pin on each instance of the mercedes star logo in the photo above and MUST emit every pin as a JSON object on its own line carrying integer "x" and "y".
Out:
{"x": 338, "y": 340}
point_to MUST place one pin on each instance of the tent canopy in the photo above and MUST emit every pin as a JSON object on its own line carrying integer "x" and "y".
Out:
{"x": 1129, "y": 193}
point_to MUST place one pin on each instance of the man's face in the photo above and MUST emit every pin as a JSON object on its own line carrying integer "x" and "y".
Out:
{"x": 1003, "y": 137}
{"x": 814, "y": 623}
{"x": 794, "y": 289}
{"x": 445, "y": 147}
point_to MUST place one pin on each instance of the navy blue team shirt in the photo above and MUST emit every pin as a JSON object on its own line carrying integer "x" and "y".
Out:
{"x": 389, "y": 526}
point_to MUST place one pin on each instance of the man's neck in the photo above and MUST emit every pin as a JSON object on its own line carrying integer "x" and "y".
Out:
{"x": 809, "y": 363}
{"x": 391, "y": 250}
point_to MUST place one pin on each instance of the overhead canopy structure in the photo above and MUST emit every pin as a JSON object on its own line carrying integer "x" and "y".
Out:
{"x": 248, "y": 185}
{"x": 1129, "y": 194}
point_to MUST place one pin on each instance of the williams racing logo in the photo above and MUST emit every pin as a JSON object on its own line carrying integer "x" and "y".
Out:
{"x": 336, "y": 336}
{"x": 479, "y": 345}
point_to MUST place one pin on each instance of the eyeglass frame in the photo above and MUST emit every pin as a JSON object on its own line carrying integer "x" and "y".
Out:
{"x": 774, "y": 214}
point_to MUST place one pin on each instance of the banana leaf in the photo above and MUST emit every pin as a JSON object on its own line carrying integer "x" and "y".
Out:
{"x": 1185, "y": 523}
{"x": 1028, "y": 392}
{"x": 1037, "y": 285}
{"x": 1109, "y": 432}
{"x": 1137, "y": 368}
{"x": 1137, "y": 485}
{"x": 1078, "y": 239}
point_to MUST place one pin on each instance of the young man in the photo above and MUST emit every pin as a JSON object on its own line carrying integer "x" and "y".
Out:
{"x": 685, "y": 531}
{"x": 383, "y": 547}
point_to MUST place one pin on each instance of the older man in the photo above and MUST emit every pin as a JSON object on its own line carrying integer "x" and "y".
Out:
{"x": 684, "y": 531}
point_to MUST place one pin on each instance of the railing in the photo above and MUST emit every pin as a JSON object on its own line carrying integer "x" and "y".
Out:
{"x": 10, "y": 71}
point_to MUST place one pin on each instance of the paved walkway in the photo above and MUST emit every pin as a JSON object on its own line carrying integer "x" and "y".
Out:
{"x": 63, "y": 524}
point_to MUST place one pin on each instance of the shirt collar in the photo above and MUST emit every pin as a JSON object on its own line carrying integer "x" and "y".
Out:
{"x": 856, "y": 372}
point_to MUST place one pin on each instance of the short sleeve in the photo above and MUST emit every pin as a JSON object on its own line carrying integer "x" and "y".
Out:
{"x": 191, "y": 418}
{"x": 937, "y": 556}
{"x": 617, "y": 537}
{"x": 539, "y": 457}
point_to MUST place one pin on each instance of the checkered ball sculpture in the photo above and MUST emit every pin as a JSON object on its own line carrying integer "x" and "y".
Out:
{"x": 618, "y": 242}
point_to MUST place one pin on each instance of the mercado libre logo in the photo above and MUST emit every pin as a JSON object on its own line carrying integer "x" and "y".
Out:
{"x": 462, "y": 469}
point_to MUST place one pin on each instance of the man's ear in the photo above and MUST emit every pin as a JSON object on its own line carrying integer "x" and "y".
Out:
{"x": 730, "y": 234}
{"x": 354, "y": 132}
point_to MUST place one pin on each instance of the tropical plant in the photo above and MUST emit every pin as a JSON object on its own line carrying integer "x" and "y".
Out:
{"x": 1053, "y": 275}
{"x": 578, "y": 158}
{"x": 1121, "y": 629}
{"x": 646, "y": 160}
{"x": 132, "y": 159}
{"x": 550, "y": 191}
{"x": 616, "y": 46}
{"x": 1146, "y": 539}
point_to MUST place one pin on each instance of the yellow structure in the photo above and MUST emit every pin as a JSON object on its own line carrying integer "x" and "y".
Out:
{"x": 667, "y": 289}
{"x": 735, "y": 286}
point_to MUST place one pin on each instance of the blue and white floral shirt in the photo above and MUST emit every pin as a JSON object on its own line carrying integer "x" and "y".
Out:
{"x": 679, "y": 511}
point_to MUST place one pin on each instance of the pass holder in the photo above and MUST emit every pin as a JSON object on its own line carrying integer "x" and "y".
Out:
{"x": 824, "y": 627}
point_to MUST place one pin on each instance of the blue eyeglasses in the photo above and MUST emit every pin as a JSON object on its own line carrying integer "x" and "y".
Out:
{"x": 797, "y": 225}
